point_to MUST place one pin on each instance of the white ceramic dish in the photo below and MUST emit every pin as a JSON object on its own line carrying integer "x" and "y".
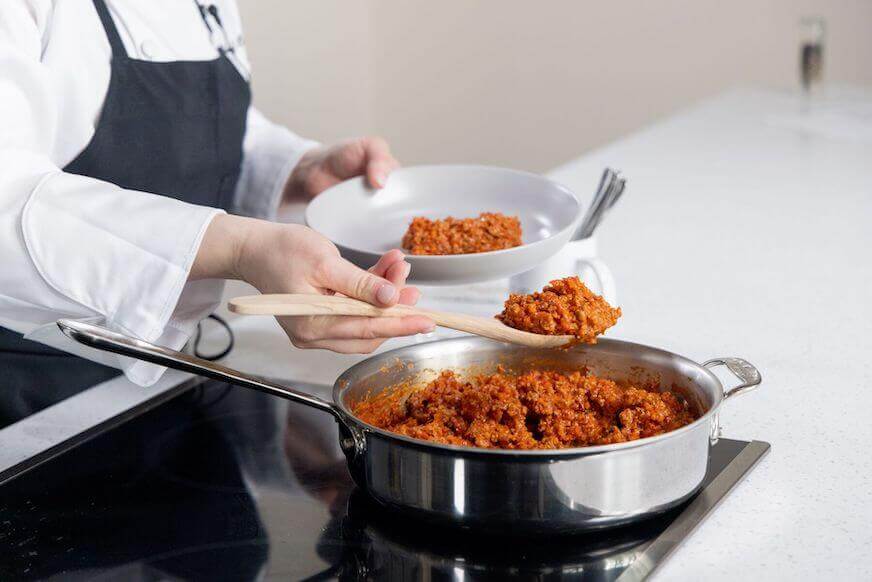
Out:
{"x": 364, "y": 223}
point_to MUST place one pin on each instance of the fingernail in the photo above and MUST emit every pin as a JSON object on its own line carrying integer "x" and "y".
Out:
{"x": 407, "y": 268}
{"x": 429, "y": 327}
{"x": 381, "y": 178}
{"x": 386, "y": 293}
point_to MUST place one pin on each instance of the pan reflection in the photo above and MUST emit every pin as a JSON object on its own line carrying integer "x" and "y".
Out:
{"x": 365, "y": 541}
{"x": 382, "y": 545}
{"x": 226, "y": 483}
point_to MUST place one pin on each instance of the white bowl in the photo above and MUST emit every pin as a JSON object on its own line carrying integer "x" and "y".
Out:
{"x": 365, "y": 223}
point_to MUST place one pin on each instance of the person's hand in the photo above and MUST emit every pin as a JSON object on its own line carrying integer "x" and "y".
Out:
{"x": 326, "y": 166}
{"x": 286, "y": 258}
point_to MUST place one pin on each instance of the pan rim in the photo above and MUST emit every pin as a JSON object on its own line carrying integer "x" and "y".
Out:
{"x": 534, "y": 454}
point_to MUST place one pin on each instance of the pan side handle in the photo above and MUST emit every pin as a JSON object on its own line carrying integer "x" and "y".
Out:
{"x": 741, "y": 369}
{"x": 110, "y": 341}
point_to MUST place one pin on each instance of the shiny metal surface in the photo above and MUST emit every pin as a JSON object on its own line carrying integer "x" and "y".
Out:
{"x": 525, "y": 491}
{"x": 742, "y": 369}
{"x": 104, "y": 339}
{"x": 395, "y": 549}
{"x": 536, "y": 491}
{"x": 273, "y": 500}
{"x": 606, "y": 184}
{"x": 618, "y": 192}
{"x": 610, "y": 189}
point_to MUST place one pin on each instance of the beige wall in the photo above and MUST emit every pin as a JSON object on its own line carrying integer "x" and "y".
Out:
{"x": 312, "y": 64}
{"x": 520, "y": 83}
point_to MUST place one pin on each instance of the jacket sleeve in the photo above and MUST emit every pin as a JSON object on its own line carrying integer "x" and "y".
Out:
{"x": 270, "y": 153}
{"x": 73, "y": 246}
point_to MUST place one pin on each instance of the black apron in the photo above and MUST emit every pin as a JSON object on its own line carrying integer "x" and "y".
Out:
{"x": 172, "y": 128}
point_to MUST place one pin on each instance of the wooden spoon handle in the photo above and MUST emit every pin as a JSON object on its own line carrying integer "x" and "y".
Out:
{"x": 303, "y": 304}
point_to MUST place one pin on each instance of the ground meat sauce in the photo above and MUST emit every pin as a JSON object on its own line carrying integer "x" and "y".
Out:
{"x": 491, "y": 231}
{"x": 534, "y": 410}
{"x": 565, "y": 307}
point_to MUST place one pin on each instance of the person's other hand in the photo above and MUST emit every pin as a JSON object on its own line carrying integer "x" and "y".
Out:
{"x": 326, "y": 166}
{"x": 289, "y": 258}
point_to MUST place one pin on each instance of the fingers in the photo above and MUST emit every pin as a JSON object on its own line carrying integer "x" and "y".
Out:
{"x": 369, "y": 156}
{"x": 339, "y": 275}
{"x": 345, "y": 334}
{"x": 410, "y": 296}
{"x": 377, "y": 172}
{"x": 383, "y": 284}
{"x": 364, "y": 328}
{"x": 388, "y": 261}
{"x": 397, "y": 273}
{"x": 379, "y": 162}
{"x": 346, "y": 346}
{"x": 395, "y": 269}
{"x": 355, "y": 335}
{"x": 322, "y": 330}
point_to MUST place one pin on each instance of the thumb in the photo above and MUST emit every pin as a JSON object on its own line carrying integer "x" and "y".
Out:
{"x": 345, "y": 278}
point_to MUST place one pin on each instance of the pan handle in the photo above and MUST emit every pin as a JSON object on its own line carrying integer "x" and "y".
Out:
{"x": 743, "y": 370}
{"x": 110, "y": 341}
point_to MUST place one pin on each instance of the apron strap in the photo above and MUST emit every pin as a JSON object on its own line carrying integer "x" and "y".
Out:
{"x": 118, "y": 50}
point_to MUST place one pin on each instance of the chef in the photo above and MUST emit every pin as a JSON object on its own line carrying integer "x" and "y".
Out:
{"x": 135, "y": 177}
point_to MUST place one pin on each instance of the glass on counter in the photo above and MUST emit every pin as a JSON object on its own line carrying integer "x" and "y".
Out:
{"x": 811, "y": 56}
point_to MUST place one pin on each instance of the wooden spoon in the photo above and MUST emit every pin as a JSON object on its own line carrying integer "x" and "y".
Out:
{"x": 295, "y": 305}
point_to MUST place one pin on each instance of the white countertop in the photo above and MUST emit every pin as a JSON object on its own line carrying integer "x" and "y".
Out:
{"x": 745, "y": 230}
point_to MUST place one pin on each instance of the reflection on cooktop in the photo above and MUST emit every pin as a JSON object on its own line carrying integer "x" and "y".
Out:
{"x": 225, "y": 483}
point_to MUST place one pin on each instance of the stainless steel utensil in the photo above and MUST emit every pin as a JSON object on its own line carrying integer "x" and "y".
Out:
{"x": 610, "y": 189}
{"x": 618, "y": 191}
{"x": 605, "y": 185}
{"x": 608, "y": 201}
{"x": 564, "y": 490}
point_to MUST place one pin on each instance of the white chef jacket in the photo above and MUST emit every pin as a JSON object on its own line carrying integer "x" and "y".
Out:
{"x": 73, "y": 246}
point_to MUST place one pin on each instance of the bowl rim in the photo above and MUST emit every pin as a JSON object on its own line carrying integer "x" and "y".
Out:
{"x": 571, "y": 226}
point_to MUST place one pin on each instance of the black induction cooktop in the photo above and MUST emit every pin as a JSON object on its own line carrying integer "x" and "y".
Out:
{"x": 222, "y": 483}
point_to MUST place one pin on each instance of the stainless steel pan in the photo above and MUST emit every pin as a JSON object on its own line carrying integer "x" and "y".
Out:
{"x": 501, "y": 490}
